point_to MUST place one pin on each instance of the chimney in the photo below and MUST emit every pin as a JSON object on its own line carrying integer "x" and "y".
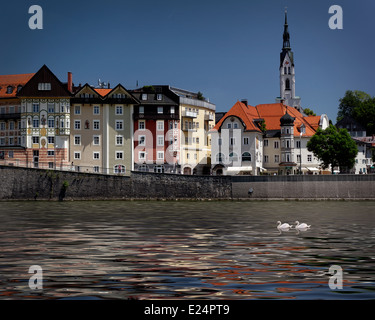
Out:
{"x": 245, "y": 102}
{"x": 70, "y": 82}
{"x": 109, "y": 86}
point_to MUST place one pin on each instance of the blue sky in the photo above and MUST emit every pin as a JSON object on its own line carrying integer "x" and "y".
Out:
{"x": 229, "y": 50}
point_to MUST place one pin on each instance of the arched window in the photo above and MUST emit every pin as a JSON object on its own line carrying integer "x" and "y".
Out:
{"x": 219, "y": 157}
{"x": 246, "y": 156}
{"x": 233, "y": 157}
{"x": 287, "y": 84}
{"x": 119, "y": 168}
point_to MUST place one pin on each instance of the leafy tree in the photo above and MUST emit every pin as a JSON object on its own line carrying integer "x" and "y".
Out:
{"x": 309, "y": 112}
{"x": 200, "y": 96}
{"x": 360, "y": 106}
{"x": 333, "y": 147}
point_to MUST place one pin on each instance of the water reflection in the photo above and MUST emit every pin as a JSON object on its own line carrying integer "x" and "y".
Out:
{"x": 186, "y": 250}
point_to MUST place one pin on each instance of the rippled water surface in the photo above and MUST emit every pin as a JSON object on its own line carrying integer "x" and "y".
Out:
{"x": 186, "y": 250}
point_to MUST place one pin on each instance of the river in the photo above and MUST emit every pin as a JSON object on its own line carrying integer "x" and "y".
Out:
{"x": 186, "y": 249}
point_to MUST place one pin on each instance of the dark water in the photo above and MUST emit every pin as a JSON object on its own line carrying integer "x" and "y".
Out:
{"x": 186, "y": 250}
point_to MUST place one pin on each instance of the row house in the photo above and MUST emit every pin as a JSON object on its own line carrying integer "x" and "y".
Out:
{"x": 12, "y": 143}
{"x": 156, "y": 130}
{"x": 45, "y": 123}
{"x": 197, "y": 118}
{"x": 101, "y": 137}
{"x": 268, "y": 138}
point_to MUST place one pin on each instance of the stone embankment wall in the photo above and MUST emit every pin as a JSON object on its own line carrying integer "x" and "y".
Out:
{"x": 37, "y": 184}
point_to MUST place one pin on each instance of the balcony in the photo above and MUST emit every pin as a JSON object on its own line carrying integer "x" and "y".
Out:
{"x": 155, "y": 116}
{"x": 209, "y": 117}
{"x": 10, "y": 116}
{"x": 190, "y": 114}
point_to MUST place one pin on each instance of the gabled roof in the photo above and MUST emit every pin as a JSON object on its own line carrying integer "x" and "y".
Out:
{"x": 13, "y": 80}
{"x": 271, "y": 114}
{"x": 102, "y": 92}
{"x": 44, "y": 75}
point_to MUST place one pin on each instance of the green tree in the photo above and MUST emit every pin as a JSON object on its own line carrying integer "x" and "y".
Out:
{"x": 200, "y": 96}
{"x": 361, "y": 107}
{"x": 333, "y": 147}
{"x": 309, "y": 112}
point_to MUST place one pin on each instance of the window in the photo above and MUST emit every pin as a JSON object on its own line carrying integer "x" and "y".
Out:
{"x": 9, "y": 89}
{"x": 276, "y": 144}
{"x": 245, "y": 140}
{"x": 96, "y": 110}
{"x": 160, "y": 140}
{"x": 284, "y": 70}
{"x": 141, "y": 109}
{"x": 35, "y": 139}
{"x": 118, "y": 110}
{"x": 160, "y": 110}
{"x": 265, "y": 159}
{"x": 160, "y": 125}
{"x": 160, "y": 155}
{"x": 44, "y": 86}
{"x": 2, "y": 126}
{"x": 35, "y": 123}
{"x": 51, "y": 108}
{"x": 288, "y": 144}
{"x": 119, "y": 140}
{"x": 35, "y": 107}
{"x": 142, "y": 140}
{"x": 51, "y": 123}
{"x": 277, "y": 158}
{"x": 51, "y": 140}
{"x": 2, "y": 143}
{"x": 246, "y": 156}
{"x": 219, "y": 157}
{"x": 119, "y": 168}
{"x": 235, "y": 125}
{"x": 11, "y": 154}
{"x": 219, "y": 141}
{"x": 309, "y": 158}
{"x": 232, "y": 141}
{"x": 77, "y": 124}
{"x": 119, "y": 155}
{"x": 229, "y": 126}
{"x": 287, "y": 84}
{"x": 172, "y": 110}
{"x": 159, "y": 97}
{"x": 298, "y": 158}
{"x": 233, "y": 157}
{"x": 96, "y": 169}
{"x": 50, "y": 153}
{"x": 298, "y": 144}
{"x": 11, "y": 125}
{"x": 141, "y": 125}
{"x": 144, "y": 96}
{"x": 96, "y": 124}
{"x": 119, "y": 125}
{"x": 77, "y": 110}
{"x": 142, "y": 155}
{"x": 77, "y": 155}
{"x": 96, "y": 140}
{"x": 77, "y": 140}
{"x": 159, "y": 169}
{"x": 11, "y": 141}
{"x": 96, "y": 155}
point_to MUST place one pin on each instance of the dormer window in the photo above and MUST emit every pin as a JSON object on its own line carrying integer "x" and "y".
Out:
{"x": 19, "y": 88}
{"x": 44, "y": 86}
{"x": 159, "y": 97}
{"x": 144, "y": 96}
{"x": 9, "y": 89}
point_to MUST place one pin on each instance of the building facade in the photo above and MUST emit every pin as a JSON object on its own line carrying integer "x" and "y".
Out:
{"x": 102, "y": 130}
{"x": 197, "y": 117}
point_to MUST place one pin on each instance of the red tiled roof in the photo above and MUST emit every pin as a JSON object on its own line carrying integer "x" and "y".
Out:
{"x": 271, "y": 114}
{"x": 13, "y": 80}
{"x": 103, "y": 92}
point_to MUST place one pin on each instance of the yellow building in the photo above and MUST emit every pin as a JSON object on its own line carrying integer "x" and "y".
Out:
{"x": 197, "y": 117}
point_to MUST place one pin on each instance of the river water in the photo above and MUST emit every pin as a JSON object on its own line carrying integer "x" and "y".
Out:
{"x": 186, "y": 250}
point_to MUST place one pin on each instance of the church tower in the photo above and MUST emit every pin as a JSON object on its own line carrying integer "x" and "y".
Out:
{"x": 287, "y": 75}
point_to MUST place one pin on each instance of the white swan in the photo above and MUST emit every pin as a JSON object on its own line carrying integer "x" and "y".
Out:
{"x": 302, "y": 226}
{"x": 283, "y": 226}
